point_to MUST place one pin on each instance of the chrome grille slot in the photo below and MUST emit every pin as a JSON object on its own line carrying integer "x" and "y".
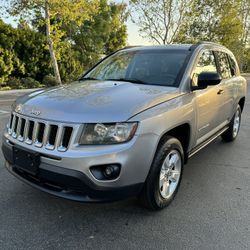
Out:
{"x": 10, "y": 123}
{"x": 30, "y": 130}
{"x": 21, "y": 129}
{"x": 9, "y": 126}
{"x": 66, "y": 135}
{"x": 38, "y": 138}
{"x": 14, "y": 131}
{"x": 40, "y": 133}
{"x": 52, "y": 137}
{"x": 13, "y": 123}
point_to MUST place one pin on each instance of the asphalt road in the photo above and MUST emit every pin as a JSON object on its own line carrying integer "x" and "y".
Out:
{"x": 211, "y": 210}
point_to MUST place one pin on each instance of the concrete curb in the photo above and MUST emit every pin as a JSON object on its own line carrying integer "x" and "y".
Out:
{"x": 246, "y": 75}
{"x": 17, "y": 91}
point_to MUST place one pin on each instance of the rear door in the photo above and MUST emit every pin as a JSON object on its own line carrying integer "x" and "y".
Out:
{"x": 228, "y": 72}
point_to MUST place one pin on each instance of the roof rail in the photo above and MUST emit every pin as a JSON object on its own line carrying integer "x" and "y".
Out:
{"x": 207, "y": 42}
{"x": 194, "y": 46}
{"x": 131, "y": 46}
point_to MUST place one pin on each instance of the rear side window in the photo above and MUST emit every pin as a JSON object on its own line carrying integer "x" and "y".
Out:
{"x": 206, "y": 63}
{"x": 224, "y": 65}
{"x": 233, "y": 65}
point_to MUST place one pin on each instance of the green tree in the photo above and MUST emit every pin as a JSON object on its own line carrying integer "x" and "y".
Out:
{"x": 6, "y": 64}
{"x": 23, "y": 53}
{"x": 9, "y": 61}
{"x": 31, "y": 50}
{"x": 213, "y": 21}
{"x": 102, "y": 34}
{"x": 64, "y": 10}
{"x": 118, "y": 29}
{"x": 245, "y": 38}
{"x": 245, "y": 18}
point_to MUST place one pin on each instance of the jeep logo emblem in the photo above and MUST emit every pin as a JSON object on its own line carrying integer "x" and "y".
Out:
{"x": 35, "y": 112}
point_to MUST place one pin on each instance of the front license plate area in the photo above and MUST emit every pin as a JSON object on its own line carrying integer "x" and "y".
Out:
{"x": 27, "y": 161}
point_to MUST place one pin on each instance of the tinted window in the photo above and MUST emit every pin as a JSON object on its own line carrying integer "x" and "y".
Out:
{"x": 224, "y": 65}
{"x": 156, "y": 67}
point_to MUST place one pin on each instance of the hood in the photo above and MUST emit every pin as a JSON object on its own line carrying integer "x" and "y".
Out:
{"x": 93, "y": 101}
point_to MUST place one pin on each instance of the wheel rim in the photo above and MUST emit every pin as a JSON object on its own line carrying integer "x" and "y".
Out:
{"x": 170, "y": 174}
{"x": 236, "y": 125}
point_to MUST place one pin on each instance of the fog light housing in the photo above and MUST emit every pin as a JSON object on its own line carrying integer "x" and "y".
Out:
{"x": 106, "y": 172}
{"x": 112, "y": 171}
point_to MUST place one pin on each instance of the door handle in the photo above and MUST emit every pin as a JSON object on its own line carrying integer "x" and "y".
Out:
{"x": 221, "y": 91}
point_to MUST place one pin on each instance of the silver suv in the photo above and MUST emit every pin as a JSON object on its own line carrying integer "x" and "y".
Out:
{"x": 128, "y": 126}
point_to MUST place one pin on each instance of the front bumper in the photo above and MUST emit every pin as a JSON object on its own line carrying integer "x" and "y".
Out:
{"x": 68, "y": 183}
{"x": 69, "y": 176}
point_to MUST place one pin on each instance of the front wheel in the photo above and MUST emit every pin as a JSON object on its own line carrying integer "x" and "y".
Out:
{"x": 234, "y": 127}
{"x": 165, "y": 175}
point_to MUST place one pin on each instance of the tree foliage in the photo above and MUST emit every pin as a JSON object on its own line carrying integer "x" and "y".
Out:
{"x": 64, "y": 10}
{"x": 212, "y": 21}
{"x": 104, "y": 33}
{"x": 159, "y": 20}
{"x": 22, "y": 53}
{"x": 77, "y": 42}
{"x": 188, "y": 21}
{"x": 224, "y": 22}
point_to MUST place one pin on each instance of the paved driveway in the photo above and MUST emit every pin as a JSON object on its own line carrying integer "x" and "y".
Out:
{"x": 211, "y": 210}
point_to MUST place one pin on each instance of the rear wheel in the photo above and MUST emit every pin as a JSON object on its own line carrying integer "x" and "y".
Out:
{"x": 165, "y": 175}
{"x": 234, "y": 127}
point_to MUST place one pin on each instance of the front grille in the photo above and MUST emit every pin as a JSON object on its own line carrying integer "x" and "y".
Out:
{"x": 49, "y": 135}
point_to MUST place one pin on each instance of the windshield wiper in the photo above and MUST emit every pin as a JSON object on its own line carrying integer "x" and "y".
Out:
{"x": 132, "y": 80}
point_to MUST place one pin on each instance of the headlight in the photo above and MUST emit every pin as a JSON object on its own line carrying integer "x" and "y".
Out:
{"x": 111, "y": 133}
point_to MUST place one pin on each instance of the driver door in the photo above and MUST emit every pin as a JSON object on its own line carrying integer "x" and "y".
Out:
{"x": 209, "y": 102}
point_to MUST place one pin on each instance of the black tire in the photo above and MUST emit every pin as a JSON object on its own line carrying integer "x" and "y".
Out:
{"x": 230, "y": 135}
{"x": 150, "y": 196}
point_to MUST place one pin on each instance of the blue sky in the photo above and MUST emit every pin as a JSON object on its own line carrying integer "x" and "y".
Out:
{"x": 133, "y": 36}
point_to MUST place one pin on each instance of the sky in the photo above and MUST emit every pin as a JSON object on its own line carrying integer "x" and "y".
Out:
{"x": 133, "y": 35}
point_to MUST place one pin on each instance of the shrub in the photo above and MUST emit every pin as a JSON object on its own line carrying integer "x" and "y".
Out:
{"x": 5, "y": 88}
{"x": 14, "y": 83}
{"x": 49, "y": 81}
{"x": 29, "y": 82}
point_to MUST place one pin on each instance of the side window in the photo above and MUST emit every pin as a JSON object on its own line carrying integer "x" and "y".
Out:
{"x": 224, "y": 65}
{"x": 233, "y": 65}
{"x": 206, "y": 63}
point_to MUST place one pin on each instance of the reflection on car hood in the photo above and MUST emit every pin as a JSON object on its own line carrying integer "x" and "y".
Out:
{"x": 94, "y": 101}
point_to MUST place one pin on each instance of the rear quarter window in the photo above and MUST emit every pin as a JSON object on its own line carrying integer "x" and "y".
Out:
{"x": 233, "y": 65}
{"x": 224, "y": 65}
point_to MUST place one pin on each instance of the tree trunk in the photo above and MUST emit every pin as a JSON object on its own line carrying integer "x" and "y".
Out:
{"x": 50, "y": 42}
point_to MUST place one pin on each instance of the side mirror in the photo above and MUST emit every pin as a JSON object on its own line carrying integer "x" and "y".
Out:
{"x": 206, "y": 79}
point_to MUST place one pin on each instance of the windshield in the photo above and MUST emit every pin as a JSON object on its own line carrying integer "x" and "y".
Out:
{"x": 156, "y": 67}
